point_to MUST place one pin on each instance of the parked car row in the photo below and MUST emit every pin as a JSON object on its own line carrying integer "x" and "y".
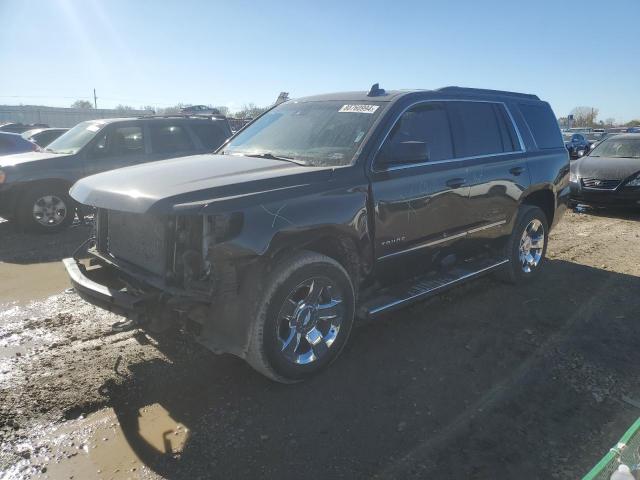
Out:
{"x": 34, "y": 186}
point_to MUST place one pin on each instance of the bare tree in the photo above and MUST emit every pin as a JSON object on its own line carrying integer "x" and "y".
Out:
{"x": 250, "y": 110}
{"x": 86, "y": 104}
{"x": 172, "y": 109}
{"x": 223, "y": 110}
{"x": 584, "y": 116}
{"x": 124, "y": 108}
{"x": 610, "y": 122}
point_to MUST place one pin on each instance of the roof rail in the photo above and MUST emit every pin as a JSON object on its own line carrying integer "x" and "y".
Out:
{"x": 454, "y": 89}
{"x": 210, "y": 116}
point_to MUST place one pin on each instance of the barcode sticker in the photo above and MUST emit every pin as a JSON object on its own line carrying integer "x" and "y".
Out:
{"x": 358, "y": 108}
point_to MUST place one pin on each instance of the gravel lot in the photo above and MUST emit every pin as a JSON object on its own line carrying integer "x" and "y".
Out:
{"x": 487, "y": 381}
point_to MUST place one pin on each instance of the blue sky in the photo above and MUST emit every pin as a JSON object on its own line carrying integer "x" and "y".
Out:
{"x": 234, "y": 52}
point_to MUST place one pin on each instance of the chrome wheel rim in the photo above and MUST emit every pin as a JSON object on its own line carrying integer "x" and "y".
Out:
{"x": 531, "y": 245}
{"x": 49, "y": 210}
{"x": 309, "y": 320}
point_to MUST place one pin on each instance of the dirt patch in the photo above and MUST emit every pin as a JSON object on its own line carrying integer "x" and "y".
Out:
{"x": 486, "y": 381}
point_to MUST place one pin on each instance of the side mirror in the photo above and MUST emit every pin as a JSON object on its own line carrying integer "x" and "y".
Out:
{"x": 404, "y": 152}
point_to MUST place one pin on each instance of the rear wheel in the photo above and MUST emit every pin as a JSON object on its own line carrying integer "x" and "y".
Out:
{"x": 46, "y": 209}
{"x": 303, "y": 318}
{"x": 527, "y": 246}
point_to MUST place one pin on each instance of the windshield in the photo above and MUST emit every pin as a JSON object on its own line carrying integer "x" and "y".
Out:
{"x": 76, "y": 138}
{"x": 618, "y": 148}
{"x": 324, "y": 133}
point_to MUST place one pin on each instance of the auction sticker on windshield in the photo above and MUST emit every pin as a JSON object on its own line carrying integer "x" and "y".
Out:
{"x": 358, "y": 108}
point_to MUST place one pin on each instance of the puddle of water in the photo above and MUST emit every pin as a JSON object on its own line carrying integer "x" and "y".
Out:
{"x": 96, "y": 447}
{"x": 23, "y": 283}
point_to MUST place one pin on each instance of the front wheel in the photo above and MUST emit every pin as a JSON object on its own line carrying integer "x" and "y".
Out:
{"x": 46, "y": 209}
{"x": 527, "y": 246}
{"x": 303, "y": 318}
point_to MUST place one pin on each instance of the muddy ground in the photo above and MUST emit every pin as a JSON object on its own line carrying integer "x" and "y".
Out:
{"x": 487, "y": 381}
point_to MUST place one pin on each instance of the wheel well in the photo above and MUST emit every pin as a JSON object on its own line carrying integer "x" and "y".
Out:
{"x": 543, "y": 199}
{"x": 26, "y": 187}
{"x": 341, "y": 249}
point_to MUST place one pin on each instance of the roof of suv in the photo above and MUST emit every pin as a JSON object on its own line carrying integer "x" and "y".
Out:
{"x": 391, "y": 95}
{"x": 179, "y": 117}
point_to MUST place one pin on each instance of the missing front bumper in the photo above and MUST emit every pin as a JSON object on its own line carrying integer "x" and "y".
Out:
{"x": 91, "y": 286}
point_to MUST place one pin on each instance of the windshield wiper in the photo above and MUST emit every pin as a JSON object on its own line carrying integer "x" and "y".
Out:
{"x": 271, "y": 156}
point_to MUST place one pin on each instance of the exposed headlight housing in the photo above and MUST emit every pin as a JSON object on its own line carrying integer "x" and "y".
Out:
{"x": 634, "y": 182}
{"x": 573, "y": 177}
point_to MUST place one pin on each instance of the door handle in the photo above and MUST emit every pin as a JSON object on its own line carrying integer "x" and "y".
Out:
{"x": 455, "y": 182}
{"x": 516, "y": 171}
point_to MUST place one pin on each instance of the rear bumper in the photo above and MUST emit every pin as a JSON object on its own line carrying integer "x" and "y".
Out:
{"x": 606, "y": 198}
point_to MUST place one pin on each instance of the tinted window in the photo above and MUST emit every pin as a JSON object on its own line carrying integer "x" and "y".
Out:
{"x": 543, "y": 125}
{"x": 45, "y": 138}
{"x": 428, "y": 123}
{"x": 211, "y": 135}
{"x": 476, "y": 130}
{"x": 126, "y": 141}
{"x": 167, "y": 138}
{"x": 119, "y": 142}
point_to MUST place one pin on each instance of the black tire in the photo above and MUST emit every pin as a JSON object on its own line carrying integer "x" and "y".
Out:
{"x": 25, "y": 210}
{"x": 515, "y": 272}
{"x": 266, "y": 352}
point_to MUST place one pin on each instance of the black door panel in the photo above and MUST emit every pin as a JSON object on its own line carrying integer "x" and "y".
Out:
{"x": 415, "y": 207}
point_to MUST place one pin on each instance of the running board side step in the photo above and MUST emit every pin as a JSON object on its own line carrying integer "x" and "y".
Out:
{"x": 398, "y": 296}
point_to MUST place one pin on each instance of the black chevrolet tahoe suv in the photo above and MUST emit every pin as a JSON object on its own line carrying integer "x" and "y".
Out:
{"x": 34, "y": 186}
{"x": 323, "y": 210}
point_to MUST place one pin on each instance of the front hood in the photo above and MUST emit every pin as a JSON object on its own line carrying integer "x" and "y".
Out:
{"x": 19, "y": 158}
{"x": 606, "y": 168}
{"x": 189, "y": 183}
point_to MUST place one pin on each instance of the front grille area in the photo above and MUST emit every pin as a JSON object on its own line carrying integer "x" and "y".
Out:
{"x": 138, "y": 239}
{"x": 600, "y": 184}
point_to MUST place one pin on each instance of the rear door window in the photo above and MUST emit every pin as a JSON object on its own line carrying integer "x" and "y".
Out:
{"x": 211, "y": 135}
{"x": 543, "y": 125}
{"x": 478, "y": 129}
{"x": 169, "y": 138}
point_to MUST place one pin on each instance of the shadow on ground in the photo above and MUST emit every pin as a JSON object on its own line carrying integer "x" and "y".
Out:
{"x": 488, "y": 381}
{"x": 20, "y": 247}
{"x": 619, "y": 213}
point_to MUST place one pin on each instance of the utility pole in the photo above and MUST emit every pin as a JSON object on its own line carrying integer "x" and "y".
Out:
{"x": 95, "y": 99}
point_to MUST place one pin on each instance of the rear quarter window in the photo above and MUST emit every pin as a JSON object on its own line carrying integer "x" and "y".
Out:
{"x": 542, "y": 124}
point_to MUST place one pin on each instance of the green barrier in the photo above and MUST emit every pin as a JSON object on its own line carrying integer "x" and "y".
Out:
{"x": 627, "y": 451}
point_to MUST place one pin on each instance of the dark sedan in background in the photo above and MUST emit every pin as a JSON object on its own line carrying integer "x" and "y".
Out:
{"x": 610, "y": 174}
{"x": 43, "y": 136}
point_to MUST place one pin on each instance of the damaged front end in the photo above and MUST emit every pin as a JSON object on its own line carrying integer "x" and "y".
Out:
{"x": 157, "y": 270}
